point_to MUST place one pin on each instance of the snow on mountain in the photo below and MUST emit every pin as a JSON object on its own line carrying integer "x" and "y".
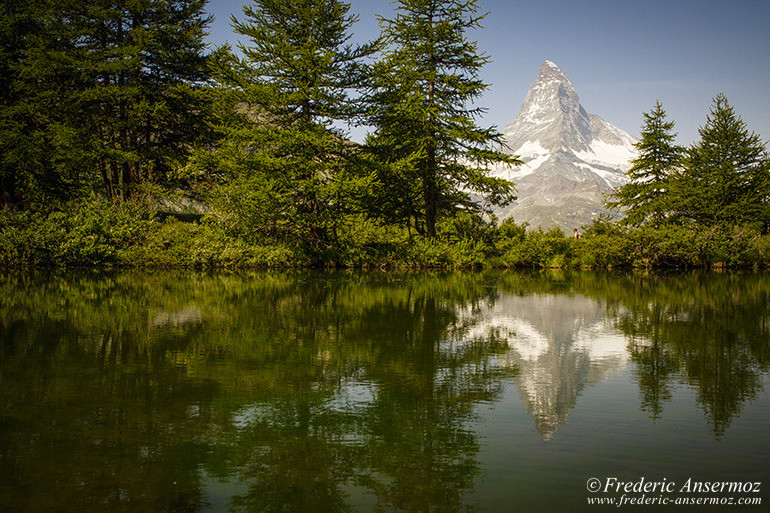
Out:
{"x": 572, "y": 158}
{"x": 559, "y": 345}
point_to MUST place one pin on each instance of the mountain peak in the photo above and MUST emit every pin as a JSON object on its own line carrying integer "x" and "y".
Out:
{"x": 552, "y": 110}
{"x": 571, "y": 158}
{"x": 550, "y": 71}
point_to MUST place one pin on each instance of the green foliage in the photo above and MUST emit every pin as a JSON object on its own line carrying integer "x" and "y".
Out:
{"x": 645, "y": 197}
{"x": 540, "y": 249}
{"x": 26, "y": 153}
{"x": 720, "y": 183}
{"x": 509, "y": 234}
{"x": 286, "y": 168}
{"x": 101, "y": 99}
{"x": 105, "y": 233}
{"x": 180, "y": 244}
{"x": 760, "y": 247}
{"x": 730, "y": 246}
{"x": 706, "y": 208}
{"x": 689, "y": 247}
{"x": 470, "y": 226}
{"x": 363, "y": 242}
{"x": 726, "y": 177}
{"x": 99, "y": 233}
{"x": 666, "y": 246}
{"x": 430, "y": 154}
{"x": 604, "y": 244}
{"x": 424, "y": 253}
{"x": 106, "y": 94}
{"x": 78, "y": 233}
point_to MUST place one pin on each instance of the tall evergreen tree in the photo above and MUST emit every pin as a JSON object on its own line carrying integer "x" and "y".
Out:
{"x": 26, "y": 156}
{"x": 285, "y": 154}
{"x": 422, "y": 93}
{"x": 646, "y": 195}
{"x": 726, "y": 176}
{"x": 112, "y": 90}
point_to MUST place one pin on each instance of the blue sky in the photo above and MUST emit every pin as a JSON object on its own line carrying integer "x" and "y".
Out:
{"x": 620, "y": 55}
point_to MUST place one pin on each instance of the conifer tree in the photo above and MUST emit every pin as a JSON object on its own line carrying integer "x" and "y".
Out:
{"x": 285, "y": 154}
{"x": 726, "y": 176}
{"x": 646, "y": 195}
{"x": 422, "y": 92}
{"x": 112, "y": 91}
{"x": 144, "y": 99}
{"x": 26, "y": 156}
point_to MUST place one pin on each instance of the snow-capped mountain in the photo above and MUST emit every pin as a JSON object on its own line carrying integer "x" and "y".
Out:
{"x": 572, "y": 158}
{"x": 559, "y": 346}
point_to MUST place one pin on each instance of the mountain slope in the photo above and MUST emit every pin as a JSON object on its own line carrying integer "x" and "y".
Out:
{"x": 572, "y": 158}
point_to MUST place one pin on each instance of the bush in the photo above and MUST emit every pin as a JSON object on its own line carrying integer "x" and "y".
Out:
{"x": 760, "y": 246}
{"x": 470, "y": 226}
{"x": 202, "y": 245}
{"x": 604, "y": 246}
{"x": 541, "y": 249}
{"x": 424, "y": 253}
{"x": 697, "y": 247}
{"x": 509, "y": 234}
{"x": 88, "y": 233}
{"x": 102, "y": 233}
{"x": 364, "y": 242}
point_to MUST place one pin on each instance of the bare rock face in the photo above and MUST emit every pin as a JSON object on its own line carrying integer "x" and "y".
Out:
{"x": 572, "y": 158}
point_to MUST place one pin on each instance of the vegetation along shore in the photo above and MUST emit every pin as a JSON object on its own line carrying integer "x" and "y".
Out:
{"x": 126, "y": 141}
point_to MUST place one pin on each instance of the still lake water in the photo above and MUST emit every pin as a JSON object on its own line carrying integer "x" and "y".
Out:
{"x": 338, "y": 392}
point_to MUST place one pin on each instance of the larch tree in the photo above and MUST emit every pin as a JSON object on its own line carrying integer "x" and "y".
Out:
{"x": 433, "y": 157}
{"x": 645, "y": 197}
{"x": 112, "y": 92}
{"x": 28, "y": 103}
{"x": 284, "y": 155}
{"x": 726, "y": 174}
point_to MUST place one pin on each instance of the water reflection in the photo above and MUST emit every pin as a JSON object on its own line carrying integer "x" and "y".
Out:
{"x": 128, "y": 391}
{"x": 183, "y": 391}
{"x": 711, "y": 332}
{"x": 559, "y": 344}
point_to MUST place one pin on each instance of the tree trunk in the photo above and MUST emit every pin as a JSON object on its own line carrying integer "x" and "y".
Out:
{"x": 429, "y": 184}
{"x": 429, "y": 191}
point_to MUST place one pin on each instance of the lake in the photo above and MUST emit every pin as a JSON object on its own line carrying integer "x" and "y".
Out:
{"x": 180, "y": 391}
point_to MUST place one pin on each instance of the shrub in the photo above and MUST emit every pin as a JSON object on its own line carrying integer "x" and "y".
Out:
{"x": 605, "y": 248}
{"x": 539, "y": 249}
{"x": 79, "y": 233}
{"x": 509, "y": 234}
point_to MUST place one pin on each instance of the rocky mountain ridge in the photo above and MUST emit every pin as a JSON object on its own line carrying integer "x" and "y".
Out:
{"x": 573, "y": 159}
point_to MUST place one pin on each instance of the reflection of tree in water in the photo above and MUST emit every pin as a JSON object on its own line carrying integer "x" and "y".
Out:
{"x": 289, "y": 454}
{"x": 420, "y": 451}
{"x": 657, "y": 367}
{"x": 137, "y": 392}
{"x": 404, "y": 437}
{"x": 712, "y": 330}
{"x": 112, "y": 437}
{"x": 303, "y": 389}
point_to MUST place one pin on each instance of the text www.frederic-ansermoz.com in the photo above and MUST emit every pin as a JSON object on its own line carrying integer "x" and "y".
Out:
{"x": 611, "y": 491}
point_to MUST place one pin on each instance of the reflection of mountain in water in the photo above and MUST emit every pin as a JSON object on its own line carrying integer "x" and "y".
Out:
{"x": 559, "y": 344}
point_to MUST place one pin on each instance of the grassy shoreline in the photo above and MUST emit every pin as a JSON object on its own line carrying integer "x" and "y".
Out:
{"x": 103, "y": 234}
